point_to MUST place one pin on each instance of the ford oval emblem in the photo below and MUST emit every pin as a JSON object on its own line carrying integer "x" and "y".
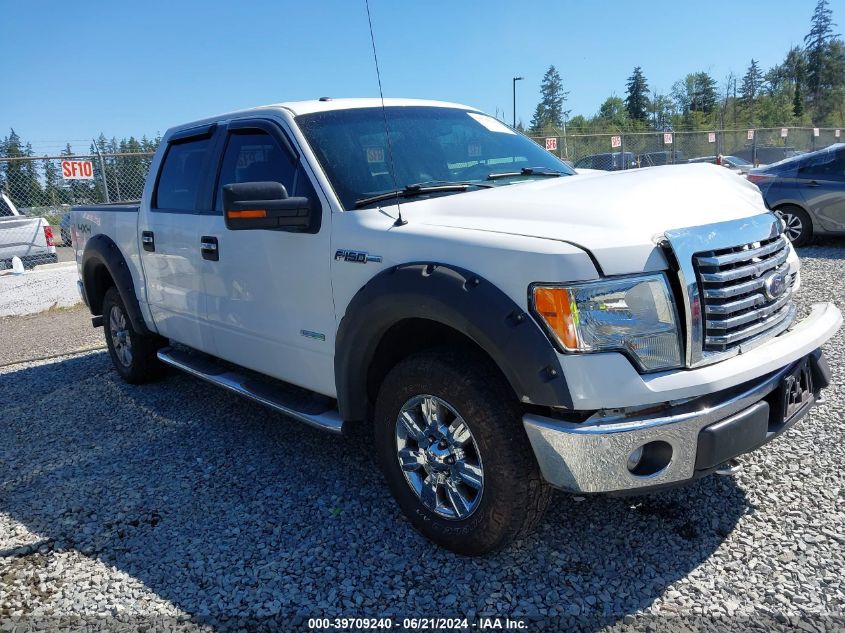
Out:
{"x": 774, "y": 285}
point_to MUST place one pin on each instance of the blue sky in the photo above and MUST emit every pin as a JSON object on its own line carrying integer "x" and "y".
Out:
{"x": 73, "y": 69}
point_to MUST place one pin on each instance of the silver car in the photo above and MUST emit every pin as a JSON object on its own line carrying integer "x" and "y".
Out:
{"x": 807, "y": 191}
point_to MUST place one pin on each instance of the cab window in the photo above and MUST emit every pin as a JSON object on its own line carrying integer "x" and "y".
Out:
{"x": 181, "y": 175}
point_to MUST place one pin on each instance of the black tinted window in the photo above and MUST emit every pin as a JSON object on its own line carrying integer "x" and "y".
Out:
{"x": 255, "y": 157}
{"x": 826, "y": 165}
{"x": 181, "y": 175}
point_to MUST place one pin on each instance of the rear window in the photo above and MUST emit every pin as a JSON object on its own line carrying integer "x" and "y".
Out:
{"x": 181, "y": 174}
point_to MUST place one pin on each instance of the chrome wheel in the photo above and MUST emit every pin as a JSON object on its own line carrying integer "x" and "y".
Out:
{"x": 120, "y": 339}
{"x": 794, "y": 225}
{"x": 439, "y": 457}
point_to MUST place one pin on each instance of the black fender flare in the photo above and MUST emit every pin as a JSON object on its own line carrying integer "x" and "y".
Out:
{"x": 456, "y": 298}
{"x": 101, "y": 250}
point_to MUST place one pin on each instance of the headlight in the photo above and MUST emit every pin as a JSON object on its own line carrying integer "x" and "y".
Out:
{"x": 629, "y": 314}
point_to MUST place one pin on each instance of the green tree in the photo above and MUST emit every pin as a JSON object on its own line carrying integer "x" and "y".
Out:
{"x": 549, "y": 112}
{"x": 613, "y": 113}
{"x": 636, "y": 100}
{"x": 825, "y": 77}
{"x": 696, "y": 93}
{"x": 661, "y": 111}
{"x": 20, "y": 177}
{"x": 752, "y": 83}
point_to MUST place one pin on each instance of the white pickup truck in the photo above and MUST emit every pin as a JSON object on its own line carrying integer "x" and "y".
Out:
{"x": 500, "y": 324}
{"x": 29, "y": 238}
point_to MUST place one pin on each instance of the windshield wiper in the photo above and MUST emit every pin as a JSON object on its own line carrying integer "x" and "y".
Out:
{"x": 525, "y": 171}
{"x": 419, "y": 189}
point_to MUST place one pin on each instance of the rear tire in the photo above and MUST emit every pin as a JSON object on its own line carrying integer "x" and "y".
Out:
{"x": 475, "y": 487}
{"x": 133, "y": 355}
{"x": 799, "y": 226}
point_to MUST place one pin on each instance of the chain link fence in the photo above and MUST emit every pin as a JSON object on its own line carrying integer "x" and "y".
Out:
{"x": 629, "y": 150}
{"x": 37, "y": 194}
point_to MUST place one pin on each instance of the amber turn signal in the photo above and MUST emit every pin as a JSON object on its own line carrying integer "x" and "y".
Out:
{"x": 246, "y": 213}
{"x": 558, "y": 310}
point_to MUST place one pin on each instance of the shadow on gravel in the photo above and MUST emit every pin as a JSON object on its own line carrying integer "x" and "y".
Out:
{"x": 231, "y": 511}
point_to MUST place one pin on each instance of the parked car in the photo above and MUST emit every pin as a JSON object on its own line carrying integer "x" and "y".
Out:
{"x": 736, "y": 164}
{"x": 766, "y": 154}
{"x": 499, "y": 323}
{"x": 611, "y": 161}
{"x": 807, "y": 191}
{"x": 653, "y": 159}
{"x": 704, "y": 159}
{"x": 31, "y": 239}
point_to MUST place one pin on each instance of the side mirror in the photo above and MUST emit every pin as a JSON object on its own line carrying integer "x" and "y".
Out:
{"x": 263, "y": 205}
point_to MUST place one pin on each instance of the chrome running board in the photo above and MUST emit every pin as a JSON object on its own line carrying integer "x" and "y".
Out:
{"x": 317, "y": 411}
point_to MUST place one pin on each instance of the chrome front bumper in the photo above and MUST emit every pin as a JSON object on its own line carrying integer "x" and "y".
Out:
{"x": 592, "y": 456}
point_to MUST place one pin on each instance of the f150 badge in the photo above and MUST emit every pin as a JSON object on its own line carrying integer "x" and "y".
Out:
{"x": 356, "y": 257}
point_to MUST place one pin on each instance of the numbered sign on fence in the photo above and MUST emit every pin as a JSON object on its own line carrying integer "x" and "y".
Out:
{"x": 615, "y": 141}
{"x": 783, "y": 132}
{"x": 836, "y": 133}
{"x": 77, "y": 170}
{"x": 551, "y": 144}
{"x": 667, "y": 138}
{"x": 711, "y": 137}
{"x": 750, "y": 135}
{"x": 815, "y": 131}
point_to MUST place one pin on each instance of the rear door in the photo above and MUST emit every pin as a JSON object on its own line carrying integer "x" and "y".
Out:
{"x": 269, "y": 294}
{"x": 822, "y": 184}
{"x": 169, "y": 234}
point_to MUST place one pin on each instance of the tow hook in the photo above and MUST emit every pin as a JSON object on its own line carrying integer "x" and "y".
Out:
{"x": 730, "y": 467}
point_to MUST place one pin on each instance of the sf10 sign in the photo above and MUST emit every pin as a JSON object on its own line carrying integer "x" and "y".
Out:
{"x": 77, "y": 170}
{"x": 615, "y": 141}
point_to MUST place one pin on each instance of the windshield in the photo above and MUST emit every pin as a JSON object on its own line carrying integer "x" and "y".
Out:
{"x": 736, "y": 160}
{"x": 430, "y": 145}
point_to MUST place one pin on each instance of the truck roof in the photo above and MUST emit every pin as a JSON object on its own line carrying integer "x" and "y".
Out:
{"x": 321, "y": 105}
{"x": 327, "y": 104}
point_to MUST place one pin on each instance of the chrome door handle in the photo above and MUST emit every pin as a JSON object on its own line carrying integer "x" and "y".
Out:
{"x": 209, "y": 248}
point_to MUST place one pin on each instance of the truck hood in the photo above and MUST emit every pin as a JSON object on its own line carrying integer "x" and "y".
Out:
{"x": 616, "y": 216}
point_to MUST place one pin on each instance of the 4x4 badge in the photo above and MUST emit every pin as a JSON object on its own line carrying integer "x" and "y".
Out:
{"x": 357, "y": 257}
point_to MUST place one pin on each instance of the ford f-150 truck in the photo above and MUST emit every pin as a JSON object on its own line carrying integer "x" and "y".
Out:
{"x": 29, "y": 238}
{"x": 498, "y": 324}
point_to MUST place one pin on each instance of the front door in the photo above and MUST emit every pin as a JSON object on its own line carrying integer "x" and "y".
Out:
{"x": 170, "y": 248}
{"x": 268, "y": 292}
{"x": 822, "y": 183}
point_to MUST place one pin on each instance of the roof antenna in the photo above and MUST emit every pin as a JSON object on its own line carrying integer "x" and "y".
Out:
{"x": 399, "y": 220}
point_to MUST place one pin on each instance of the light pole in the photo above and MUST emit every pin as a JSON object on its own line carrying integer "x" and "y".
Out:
{"x": 515, "y": 79}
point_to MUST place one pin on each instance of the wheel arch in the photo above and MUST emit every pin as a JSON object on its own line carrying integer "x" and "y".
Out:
{"x": 405, "y": 308}
{"x": 104, "y": 266}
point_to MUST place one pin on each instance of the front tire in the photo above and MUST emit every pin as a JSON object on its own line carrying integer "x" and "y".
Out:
{"x": 799, "y": 226}
{"x": 133, "y": 355}
{"x": 450, "y": 440}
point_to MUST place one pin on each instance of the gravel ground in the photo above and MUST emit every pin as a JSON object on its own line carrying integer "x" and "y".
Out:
{"x": 38, "y": 290}
{"x": 183, "y": 505}
{"x": 56, "y": 331}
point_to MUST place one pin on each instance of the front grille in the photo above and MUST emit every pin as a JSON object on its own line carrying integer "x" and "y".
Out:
{"x": 737, "y": 307}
